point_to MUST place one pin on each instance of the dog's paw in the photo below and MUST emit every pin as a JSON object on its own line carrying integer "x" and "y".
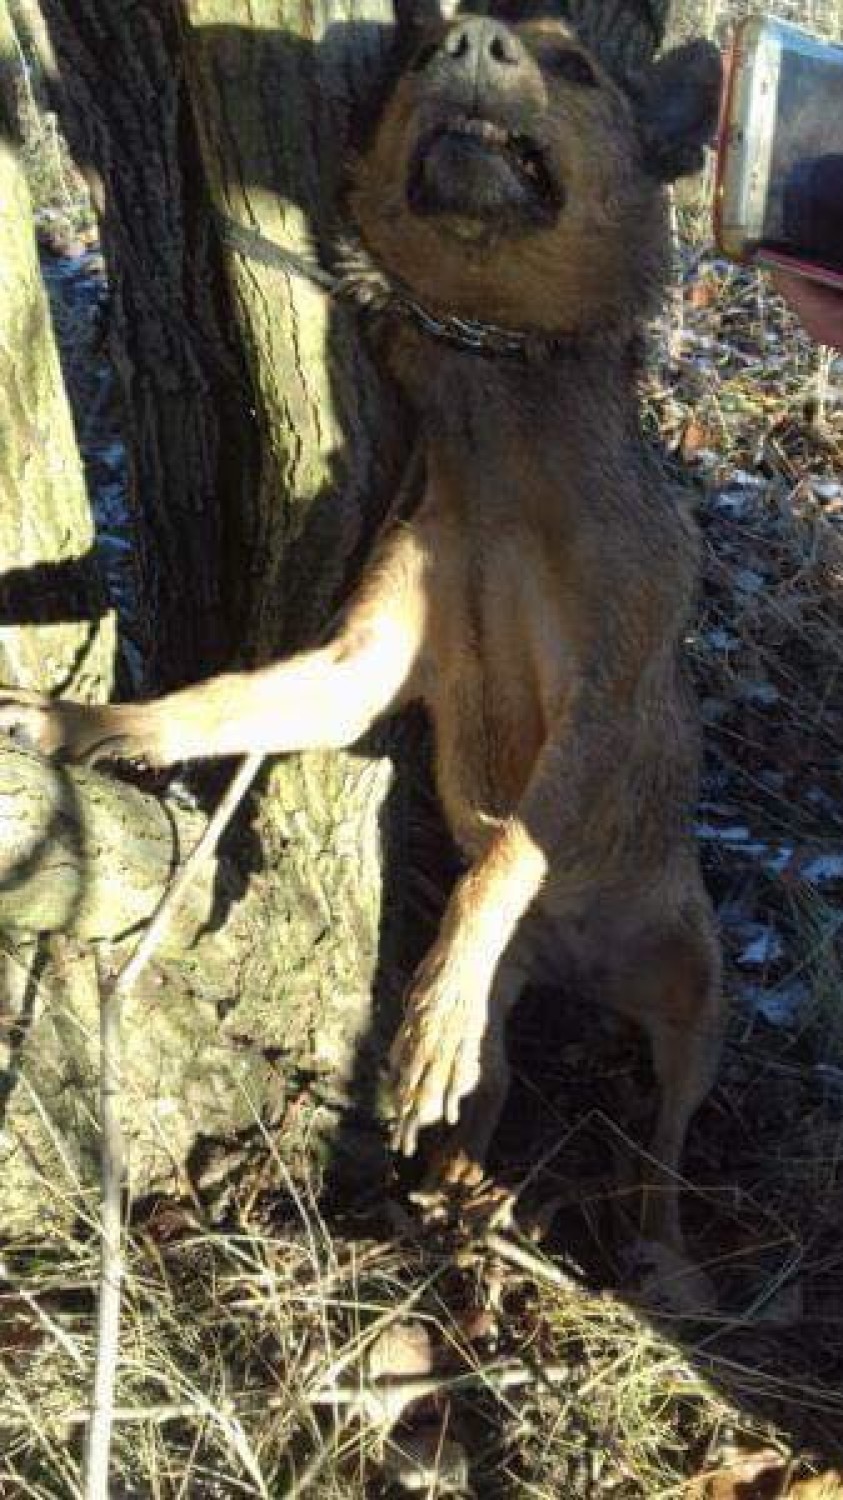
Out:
{"x": 79, "y": 731}
{"x": 36, "y": 722}
{"x": 436, "y": 1057}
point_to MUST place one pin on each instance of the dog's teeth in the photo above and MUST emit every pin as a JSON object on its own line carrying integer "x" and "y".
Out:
{"x": 484, "y": 130}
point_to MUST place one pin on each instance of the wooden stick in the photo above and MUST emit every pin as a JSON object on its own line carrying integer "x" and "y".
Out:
{"x": 112, "y": 1172}
{"x": 529, "y": 1261}
{"x": 186, "y": 873}
{"x": 112, "y": 1144}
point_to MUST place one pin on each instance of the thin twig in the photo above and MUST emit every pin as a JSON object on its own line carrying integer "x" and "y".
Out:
{"x": 525, "y": 1259}
{"x": 357, "y": 1397}
{"x": 112, "y": 1144}
{"x": 112, "y": 1171}
{"x": 411, "y": 1388}
{"x": 676, "y": 305}
{"x": 187, "y": 873}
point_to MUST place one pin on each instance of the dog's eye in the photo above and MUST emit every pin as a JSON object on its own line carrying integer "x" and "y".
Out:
{"x": 565, "y": 63}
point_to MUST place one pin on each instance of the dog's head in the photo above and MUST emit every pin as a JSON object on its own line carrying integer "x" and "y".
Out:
{"x": 512, "y": 177}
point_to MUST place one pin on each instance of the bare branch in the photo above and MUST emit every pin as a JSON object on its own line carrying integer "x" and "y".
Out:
{"x": 113, "y": 1150}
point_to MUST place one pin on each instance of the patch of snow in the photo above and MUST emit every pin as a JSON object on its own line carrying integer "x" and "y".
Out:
{"x": 720, "y": 640}
{"x": 779, "y": 1007}
{"x": 732, "y": 502}
{"x": 734, "y": 833}
{"x": 745, "y": 480}
{"x": 763, "y": 949}
{"x": 761, "y": 692}
{"x": 823, "y": 867}
{"x": 748, "y": 581}
{"x": 780, "y": 858}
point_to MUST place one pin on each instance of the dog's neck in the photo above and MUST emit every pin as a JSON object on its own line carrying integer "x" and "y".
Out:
{"x": 527, "y": 443}
{"x": 448, "y": 385}
{"x": 524, "y": 425}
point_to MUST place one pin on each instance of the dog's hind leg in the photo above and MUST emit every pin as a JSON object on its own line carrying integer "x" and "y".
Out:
{"x": 669, "y": 982}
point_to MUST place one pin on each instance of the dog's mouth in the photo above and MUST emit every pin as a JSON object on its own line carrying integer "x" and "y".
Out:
{"x": 475, "y": 171}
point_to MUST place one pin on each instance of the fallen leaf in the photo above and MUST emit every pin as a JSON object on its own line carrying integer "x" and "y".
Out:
{"x": 704, "y": 292}
{"x": 827, "y": 1486}
{"x": 402, "y": 1352}
{"x": 761, "y": 1476}
{"x": 696, "y": 437}
{"x": 749, "y": 1476}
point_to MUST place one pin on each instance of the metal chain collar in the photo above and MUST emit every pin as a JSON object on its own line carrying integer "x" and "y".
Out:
{"x": 462, "y": 333}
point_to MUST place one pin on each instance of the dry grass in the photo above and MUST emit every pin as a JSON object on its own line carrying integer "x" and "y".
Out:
{"x": 57, "y": 189}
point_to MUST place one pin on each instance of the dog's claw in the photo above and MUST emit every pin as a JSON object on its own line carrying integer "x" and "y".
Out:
{"x": 436, "y": 1055}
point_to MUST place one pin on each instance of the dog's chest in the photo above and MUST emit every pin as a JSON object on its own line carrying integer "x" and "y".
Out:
{"x": 502, "y": 657}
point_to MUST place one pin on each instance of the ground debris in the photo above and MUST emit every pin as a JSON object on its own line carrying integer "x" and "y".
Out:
{"x": 765, "y": 1475}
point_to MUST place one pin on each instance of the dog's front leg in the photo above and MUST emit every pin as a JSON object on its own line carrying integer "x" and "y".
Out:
{"x": 436, "y": 1057}
{"x": 320, "y": 699}
{"x": 572, "y": 815}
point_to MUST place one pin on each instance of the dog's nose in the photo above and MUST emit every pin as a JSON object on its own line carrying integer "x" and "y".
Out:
{"x": 480, "y": 47}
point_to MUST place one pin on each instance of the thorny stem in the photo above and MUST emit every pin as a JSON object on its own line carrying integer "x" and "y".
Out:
{"x": 112, "y": 1143}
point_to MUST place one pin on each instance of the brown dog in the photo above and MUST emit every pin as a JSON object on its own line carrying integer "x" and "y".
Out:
{"x": 510, "y": 200}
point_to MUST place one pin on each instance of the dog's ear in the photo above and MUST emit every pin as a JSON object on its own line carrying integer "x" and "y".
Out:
{"x": 677, "y": 100}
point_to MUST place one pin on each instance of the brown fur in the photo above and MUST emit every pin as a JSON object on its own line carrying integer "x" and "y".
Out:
{"x": 535, "y": 603}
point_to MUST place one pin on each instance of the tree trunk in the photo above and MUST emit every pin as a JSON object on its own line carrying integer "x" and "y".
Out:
{"x": 265, "y": 453}
{"x": 192, "y": 442}
{"x": 56, "y": 628}
{"x": 50, "y": 579}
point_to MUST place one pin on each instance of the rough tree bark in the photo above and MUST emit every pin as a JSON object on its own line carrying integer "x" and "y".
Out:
{"x": 49, "y": 568}
{"x": 56, "y": 628}
{"x": 265, "y": 452}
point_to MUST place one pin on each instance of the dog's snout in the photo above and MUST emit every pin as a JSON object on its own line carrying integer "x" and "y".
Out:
{"x": 479, "y": 43}
{"x": 478, "y": 50}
